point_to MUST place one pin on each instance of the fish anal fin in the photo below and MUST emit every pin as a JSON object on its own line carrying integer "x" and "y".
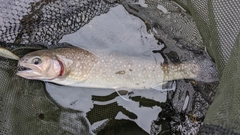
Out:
{"x": 124, "y": 93}
{"x": 165, "y": 86}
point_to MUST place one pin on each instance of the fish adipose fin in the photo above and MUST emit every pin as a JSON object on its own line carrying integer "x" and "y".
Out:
{"x": 165, "y": 86}
{"x": 125, "y": 93}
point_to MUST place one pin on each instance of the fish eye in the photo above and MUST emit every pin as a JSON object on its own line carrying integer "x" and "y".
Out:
{"x": 36, "y": 61}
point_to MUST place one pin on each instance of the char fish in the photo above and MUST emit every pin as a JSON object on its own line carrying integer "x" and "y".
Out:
{"x": 81, "y": 68}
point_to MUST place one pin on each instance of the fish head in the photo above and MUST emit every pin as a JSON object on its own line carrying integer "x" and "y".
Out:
{"x": 39, "y": 65}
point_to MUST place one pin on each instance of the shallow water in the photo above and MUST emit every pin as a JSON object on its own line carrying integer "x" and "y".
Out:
{"x": 118, "y": 31}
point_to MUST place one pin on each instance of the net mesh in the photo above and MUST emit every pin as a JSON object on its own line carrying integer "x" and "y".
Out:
{"x": 186, "y": 27}
{"x": 221, "y": 34}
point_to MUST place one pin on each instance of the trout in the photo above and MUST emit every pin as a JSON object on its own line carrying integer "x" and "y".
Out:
{"x": 82, "y": 68}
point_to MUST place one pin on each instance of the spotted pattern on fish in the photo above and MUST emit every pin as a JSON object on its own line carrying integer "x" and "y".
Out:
{"x": 100, "y": 69}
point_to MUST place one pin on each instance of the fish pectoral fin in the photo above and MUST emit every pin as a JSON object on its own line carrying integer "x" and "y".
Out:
{"x": 125, "y": 94}
{"x": 165, "y": 86}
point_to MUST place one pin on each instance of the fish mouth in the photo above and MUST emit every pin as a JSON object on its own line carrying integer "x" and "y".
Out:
{"x": 28, "y": 71}
{"x": 22, "y": 68}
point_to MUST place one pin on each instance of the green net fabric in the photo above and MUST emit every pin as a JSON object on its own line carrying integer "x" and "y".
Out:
{"x": 186, "y": 27}
{"x": 218, "y": 22}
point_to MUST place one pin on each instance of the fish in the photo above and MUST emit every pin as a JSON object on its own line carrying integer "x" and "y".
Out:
{"x": 77, "y": 67}
{"x": 8, "y": 54}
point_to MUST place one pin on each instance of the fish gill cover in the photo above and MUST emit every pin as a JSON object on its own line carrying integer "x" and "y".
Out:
{"x": 161, "y": 30}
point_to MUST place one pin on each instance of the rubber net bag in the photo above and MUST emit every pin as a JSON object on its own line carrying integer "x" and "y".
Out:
{"x": 178, "y": 31}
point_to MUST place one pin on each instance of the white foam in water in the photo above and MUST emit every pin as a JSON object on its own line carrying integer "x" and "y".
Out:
{"x": 115, "y": 31}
